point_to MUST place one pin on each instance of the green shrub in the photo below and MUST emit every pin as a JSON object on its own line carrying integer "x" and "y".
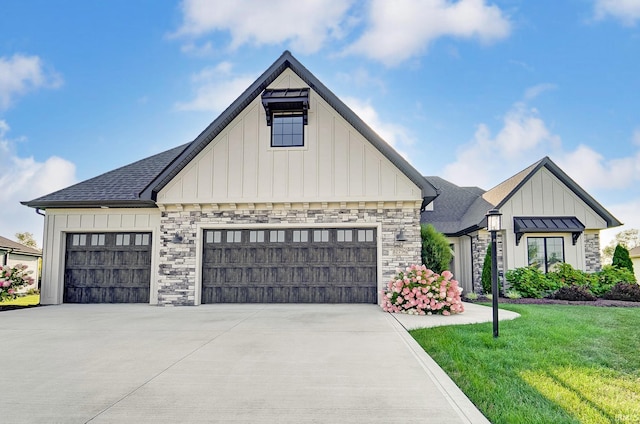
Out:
{"x": 609, "y": 277}
{"x": 436, "y": 253}
{"x": 565, "y": 275}
{"x": 624, "y": 291}
{"x": 621, "y": 258}
{"x": 486, "y": 272}
{"x": 471, "y": 296}
{"x": 531, "y": 282}
{"x": 513, "y": 294}
{"x": 574, "y": 292}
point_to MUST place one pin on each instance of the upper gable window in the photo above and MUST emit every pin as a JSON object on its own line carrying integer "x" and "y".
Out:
{"x": 286, "y": 111}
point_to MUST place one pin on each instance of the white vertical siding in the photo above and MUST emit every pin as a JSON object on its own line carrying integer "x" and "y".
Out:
{"x": 336, "y": 163}
{"x": 58, "y": 222}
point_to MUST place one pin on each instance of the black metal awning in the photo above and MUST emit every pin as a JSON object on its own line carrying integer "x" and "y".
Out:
{"x": 547, "y": 224}
{"x": 284, "y": 100}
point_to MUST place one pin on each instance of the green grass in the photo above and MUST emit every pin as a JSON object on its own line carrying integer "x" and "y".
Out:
{"x": 554, "y": 364}
{"x": 32, "y": 299}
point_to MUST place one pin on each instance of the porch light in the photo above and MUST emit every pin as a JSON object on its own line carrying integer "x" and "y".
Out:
{"x": 494, "y": 220}
{"x": 400, "y": 236}
{"x": 494, "y": 224}
{"x": 177, "y": 238}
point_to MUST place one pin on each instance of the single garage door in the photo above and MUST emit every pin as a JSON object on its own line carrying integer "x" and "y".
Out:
{"x": 107, "y": 268}
{"x": 319, "y": 265}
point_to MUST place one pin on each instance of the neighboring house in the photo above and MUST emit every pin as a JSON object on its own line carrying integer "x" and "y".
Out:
{"x": 287, "y": 196}
{"x": 546, "y": 218}
{"x": 13, "y": 253}
{"x": 634, "y": 254}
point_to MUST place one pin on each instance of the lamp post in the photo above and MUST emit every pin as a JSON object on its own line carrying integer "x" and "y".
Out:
{"x": 494, "y": 224}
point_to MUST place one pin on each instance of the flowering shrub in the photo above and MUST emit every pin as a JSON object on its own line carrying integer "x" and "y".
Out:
{"x": 420, "y": 291}
{"x": 13, "y": 278}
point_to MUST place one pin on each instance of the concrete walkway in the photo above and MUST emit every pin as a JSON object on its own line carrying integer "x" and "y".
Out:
{"x": 223, "y": 363}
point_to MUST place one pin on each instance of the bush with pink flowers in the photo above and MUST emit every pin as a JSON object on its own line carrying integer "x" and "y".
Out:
{"x": 420, "y": 291}
{"x": 13, "y": 278}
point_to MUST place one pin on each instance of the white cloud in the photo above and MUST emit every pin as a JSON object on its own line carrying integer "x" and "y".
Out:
{"x": 524, "y": 138}
{"x": 20, "y": 74}
{"x": 627, "y": 11}
{"x": 396, "y": 135}
{"x": 487, "y": 159}
{"x": 533, "y": 92}
{"x": 215, "y": 88}
{"x": 592, "y": 170}
{"x": 306, "y": 25}
{"x": 25, "y": 179}
{"x": 402, "y": 29}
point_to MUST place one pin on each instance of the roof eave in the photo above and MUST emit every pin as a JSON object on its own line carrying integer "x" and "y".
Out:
{"x": 89, "y": 204}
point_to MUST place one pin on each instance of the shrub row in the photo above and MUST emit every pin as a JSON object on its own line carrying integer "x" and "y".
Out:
{"x": 568, "y": 283}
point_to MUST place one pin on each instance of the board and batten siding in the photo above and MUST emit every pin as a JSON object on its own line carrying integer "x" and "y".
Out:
{"x": 59, "y": 222}
{"x": 545, "y": 195}
{"x": 336, "y": 163}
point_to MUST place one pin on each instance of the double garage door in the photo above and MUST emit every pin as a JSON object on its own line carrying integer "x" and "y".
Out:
{"x": 318, "y": 265}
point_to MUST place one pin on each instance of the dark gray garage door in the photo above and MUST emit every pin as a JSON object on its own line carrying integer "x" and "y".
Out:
{"x": 107, "y": 268}
{"x": 325, "y": 265}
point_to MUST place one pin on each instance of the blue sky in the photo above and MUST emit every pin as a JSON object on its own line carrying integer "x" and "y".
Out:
{"x": 470, "y": 90}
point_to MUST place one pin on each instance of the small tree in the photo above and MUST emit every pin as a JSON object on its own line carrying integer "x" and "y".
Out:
{"x": 628, "y": 238}
{"x": 621, "y": 258}
{"x": 486, "y": 272}
{"x": 27, "y": 239}
{"x": 436, "y": 253}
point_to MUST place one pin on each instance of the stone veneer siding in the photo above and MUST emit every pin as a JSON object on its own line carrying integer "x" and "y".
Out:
{"x": 592, "y": 258}
{"x": 178, "y": 262}
{"x": 480, "y": 241}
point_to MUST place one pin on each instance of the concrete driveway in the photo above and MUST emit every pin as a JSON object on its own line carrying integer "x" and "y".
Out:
{"x": 219, "y": 363}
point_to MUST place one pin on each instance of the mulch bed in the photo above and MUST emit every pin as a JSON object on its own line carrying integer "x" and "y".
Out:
{"x": 528, "y": 301}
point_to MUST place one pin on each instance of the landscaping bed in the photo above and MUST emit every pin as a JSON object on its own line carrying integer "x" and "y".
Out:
{"x": 532, "y": 301}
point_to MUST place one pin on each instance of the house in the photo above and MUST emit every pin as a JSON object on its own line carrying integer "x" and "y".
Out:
{"x": 287, "y": 196}
{"x": 13, "y": 253}
{"x": 547, "y": 218}
{"x": 634, "y": 254}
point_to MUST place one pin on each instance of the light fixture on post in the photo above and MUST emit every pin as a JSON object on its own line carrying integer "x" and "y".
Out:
{"x": 177, "y": 238}
{"x": 494, "y": 224}
{"x": 400, "y": 236}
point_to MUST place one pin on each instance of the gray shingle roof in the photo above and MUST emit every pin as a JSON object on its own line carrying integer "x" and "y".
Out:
{"x": 457, "y": 209}
{"x": 120, "y": 187}
{"x": 15, "y": 247}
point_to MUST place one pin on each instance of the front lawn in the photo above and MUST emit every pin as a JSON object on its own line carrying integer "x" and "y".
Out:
{"x": 554, "y": 364}
{"x": 31, "y": 299}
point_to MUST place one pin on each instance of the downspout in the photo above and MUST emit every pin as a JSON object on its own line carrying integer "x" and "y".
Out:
{"x": 6, "y": 256}
{"x": 39, "y": 212}
{"x": 473, "y": 288}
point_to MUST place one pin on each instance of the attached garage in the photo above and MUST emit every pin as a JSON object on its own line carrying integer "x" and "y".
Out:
{"x": 300, "y": 265}
{"x": 107, "y": 268}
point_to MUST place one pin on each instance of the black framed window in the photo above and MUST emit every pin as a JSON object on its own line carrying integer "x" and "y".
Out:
{"x": 287, "y": 130}
{"x": 545, "y": 252}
